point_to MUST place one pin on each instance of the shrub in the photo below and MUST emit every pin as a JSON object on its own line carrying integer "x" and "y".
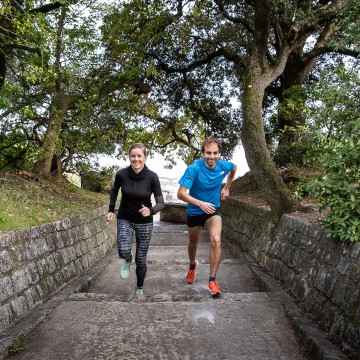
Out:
{"x": 338, "y": 190}
{"x": 334, "y": 110}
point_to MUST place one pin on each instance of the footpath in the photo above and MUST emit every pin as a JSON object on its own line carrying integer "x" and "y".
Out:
{"x": 97, "y": 316}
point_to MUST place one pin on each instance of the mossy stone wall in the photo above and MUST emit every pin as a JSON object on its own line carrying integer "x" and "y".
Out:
{"x": 36, "y": 262}
{"x": 322, "y": 273}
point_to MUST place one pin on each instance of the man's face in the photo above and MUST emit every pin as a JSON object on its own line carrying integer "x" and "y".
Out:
{"x": 211, "y": 155}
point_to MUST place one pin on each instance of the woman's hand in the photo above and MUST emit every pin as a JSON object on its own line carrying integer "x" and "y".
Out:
{"x": 110, "y": 217}
{"x": 144, "y": 211}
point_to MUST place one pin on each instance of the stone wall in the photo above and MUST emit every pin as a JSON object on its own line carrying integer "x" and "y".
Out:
{"x": 36, "y": 262}
{"x": 322, "y": 273}
{"x": 174, "y": 212}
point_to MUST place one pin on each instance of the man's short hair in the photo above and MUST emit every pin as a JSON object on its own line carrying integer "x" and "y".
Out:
{"x": 208, "y": 141}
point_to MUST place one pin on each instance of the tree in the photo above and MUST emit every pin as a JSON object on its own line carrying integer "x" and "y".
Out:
{"x": 245, "y": 43}
{"x": 55, "y": 109}
{"x": 22, "y": 59}
{"x": 19, "y": 31}
{"x": 186, "y": 107}
{"x": 334, "y": 43}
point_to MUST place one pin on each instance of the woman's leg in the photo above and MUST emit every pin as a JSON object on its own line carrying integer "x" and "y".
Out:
{"x": 143, "y": 233}
{"x": 125, "y": 232}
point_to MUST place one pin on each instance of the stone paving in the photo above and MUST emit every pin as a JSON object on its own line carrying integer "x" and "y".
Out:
{"x": 98, "y": 317}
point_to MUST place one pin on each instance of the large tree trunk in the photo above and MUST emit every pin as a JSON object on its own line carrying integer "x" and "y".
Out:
{"x": 258, "y": 76}
{"x": 297, "y": 69}
{"x": 291, "y": 119}
{"x": 260, "y": 163}
{"x": 59, "y": 107}
{"x": 294, "y": 74}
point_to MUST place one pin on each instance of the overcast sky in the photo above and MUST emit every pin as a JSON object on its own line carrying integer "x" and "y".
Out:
{"x": 156, "y": 164}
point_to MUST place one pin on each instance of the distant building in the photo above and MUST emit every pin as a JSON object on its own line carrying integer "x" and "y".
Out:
{"x": 73, "y": 178}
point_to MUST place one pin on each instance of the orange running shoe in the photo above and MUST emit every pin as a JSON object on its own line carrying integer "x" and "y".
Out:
{"x": 214, "y": 288}
{"x": 191, "y": 273}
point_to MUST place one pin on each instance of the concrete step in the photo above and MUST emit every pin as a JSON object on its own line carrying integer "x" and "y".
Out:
{"x": 165, "y": 330}
{"x": 166, "y": 297}
{"x": 167, "y": 270}
{"x": 98, "y": 317}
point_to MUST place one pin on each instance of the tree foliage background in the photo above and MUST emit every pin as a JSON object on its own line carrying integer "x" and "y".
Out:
{"x": 79, "y": 78}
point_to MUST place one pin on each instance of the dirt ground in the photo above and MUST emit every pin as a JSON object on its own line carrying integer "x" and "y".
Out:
{"x": 245, "y": 189}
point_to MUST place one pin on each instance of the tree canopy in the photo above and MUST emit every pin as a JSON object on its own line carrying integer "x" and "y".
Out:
{"x": 63, "y": 102}
{"x": 254, "y": 50}
{"x": 81, "y": 77}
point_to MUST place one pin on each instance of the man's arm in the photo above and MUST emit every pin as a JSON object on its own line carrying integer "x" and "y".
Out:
{"x": 226, "y": 189}
{"x": 206, "y": 207}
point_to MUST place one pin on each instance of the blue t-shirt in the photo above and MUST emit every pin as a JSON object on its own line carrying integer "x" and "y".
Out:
{"x": 204, "y": 183}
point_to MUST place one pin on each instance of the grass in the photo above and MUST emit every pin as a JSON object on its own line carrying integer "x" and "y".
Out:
{"x": 28, "y": 201}
{"x": 16, "y": 346}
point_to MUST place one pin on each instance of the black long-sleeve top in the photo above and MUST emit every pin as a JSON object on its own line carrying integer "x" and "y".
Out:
{"x": 136, "y": 190}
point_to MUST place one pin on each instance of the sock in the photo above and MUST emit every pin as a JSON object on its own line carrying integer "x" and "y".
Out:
{"x": 129, "y": 260}
{"x": 211, "y": 278}
{"x": 192, "y": 266}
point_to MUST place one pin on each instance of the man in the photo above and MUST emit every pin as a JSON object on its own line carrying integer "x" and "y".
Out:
{"x": 203, "y": 179}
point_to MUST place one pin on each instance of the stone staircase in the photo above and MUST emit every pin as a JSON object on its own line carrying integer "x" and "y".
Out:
{"x": 101, "y": 318}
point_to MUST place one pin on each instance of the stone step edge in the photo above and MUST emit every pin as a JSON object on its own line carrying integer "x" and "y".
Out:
{"x": 168, "y": 298}
{"x": 186, "y": 262}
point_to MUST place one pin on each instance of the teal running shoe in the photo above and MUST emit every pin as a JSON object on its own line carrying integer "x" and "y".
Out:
{"x": 125, "y": 269}
{"x": 139, "y": 292}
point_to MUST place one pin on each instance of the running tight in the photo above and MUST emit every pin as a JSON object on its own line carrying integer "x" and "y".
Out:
{"x": 143, "y": 233}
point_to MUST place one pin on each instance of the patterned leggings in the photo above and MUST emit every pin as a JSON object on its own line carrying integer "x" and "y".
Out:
{"x": 143, "y": 233}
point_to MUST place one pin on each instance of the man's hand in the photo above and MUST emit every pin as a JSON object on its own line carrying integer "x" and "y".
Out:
{"x": 207, "y": 208}
{"x": 224, "y": 193}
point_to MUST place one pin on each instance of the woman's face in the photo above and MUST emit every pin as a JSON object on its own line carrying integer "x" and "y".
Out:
{"x": 137, "y": 159}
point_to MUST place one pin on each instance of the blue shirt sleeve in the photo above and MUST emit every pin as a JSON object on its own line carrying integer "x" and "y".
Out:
{"x": 188, "y": 178}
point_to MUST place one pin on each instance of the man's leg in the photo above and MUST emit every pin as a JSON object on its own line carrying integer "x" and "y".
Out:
{"x": 214, "y": 225}
{"x": 194, "y": 239}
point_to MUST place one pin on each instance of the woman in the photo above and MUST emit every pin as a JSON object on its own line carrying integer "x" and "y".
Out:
{"x": 137, "y": 184}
